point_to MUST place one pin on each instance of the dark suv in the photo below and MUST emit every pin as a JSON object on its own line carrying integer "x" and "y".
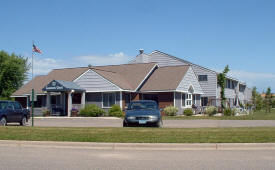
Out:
{"x": 12, "y": 111}
{"x": 143, "y": 112}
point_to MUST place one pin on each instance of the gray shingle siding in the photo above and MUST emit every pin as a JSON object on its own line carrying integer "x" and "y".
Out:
{"x": 93, "y": 82}
{"x": 209, "y": 87}
{"x": 190, "y": 79}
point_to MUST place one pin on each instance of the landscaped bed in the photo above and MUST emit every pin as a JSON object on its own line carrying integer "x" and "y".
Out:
{"x": 140, "y": 135}
{"x": 256, "y": 115}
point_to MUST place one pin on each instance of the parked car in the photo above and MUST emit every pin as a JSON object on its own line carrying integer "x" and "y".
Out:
{"x": 12, "y": 111}
{"x": 143, "y": 112}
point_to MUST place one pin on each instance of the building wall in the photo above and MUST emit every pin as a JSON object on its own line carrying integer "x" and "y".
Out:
{"x": 209, "y": 87}
{"x": 96, "y": 98}
{"x": 188, "y": 80}
{"x": 165, "y": 99}
{"x": 93, "y": 82}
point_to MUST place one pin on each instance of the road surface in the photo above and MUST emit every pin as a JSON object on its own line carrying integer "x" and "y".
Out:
{"x": 20, "y": 157}
{"x": 116, "y": 122}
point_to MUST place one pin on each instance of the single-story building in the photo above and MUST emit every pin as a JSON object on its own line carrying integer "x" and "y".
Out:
{"x": 64, "y": 89}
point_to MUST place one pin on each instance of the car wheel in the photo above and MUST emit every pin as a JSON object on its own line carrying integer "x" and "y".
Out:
{"x": 3, "y": 121}
{"x": 23, "y": 121}
{"x": 125, "y": 124}
{"x": 159, "y": 124}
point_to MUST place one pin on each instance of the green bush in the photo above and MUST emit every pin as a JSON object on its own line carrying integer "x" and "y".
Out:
{"x": 211, "y": 110}
{"x": 227, "y": 112}
{"x": 115, "y": 111}
{"x": 91, "y": 110}
{"x": 170, "y": 110}
{"x": 46, "y": 112}
{"x": 188, "y": 112}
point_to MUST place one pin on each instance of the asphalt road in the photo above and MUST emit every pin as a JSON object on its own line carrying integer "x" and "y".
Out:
{"x": 116, "y": 122}
{"x": 35, "y": 157}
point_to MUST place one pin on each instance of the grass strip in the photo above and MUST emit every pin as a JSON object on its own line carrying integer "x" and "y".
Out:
{"x": 256, "y": 115}
{"x": 141, "y": 135}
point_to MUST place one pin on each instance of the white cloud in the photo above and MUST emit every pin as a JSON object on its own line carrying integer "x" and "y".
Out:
{"x": 43, "y": 66}
{"x": 96, "y": 60}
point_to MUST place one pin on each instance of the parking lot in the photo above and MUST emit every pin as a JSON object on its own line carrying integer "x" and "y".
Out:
{"x": 117, "y": 122}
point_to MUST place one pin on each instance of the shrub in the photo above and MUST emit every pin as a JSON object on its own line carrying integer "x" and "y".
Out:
{"x": 211, "y": 110}
{"x": 227, "y": 112}
{"x": 188, "y": 112}
{"x": 46, "y": 112}
{"x": 115, "y": 111}
{"x": 170, "y": 110}
{"x": 91, "y": 110}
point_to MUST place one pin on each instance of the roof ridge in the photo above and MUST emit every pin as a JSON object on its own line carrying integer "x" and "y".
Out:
{"x": 126, "y": 64}
{"x": 177, "y": 58}
{"x": 69, "y": 68}
{"x": 177, "y": 66}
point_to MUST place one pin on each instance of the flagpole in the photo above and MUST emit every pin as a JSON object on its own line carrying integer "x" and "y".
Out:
{"x": 32, "y": 87}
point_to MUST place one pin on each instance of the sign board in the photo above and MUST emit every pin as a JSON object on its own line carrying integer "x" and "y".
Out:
{"x": 34, "y": 97}
{"x": 54, "y": 86}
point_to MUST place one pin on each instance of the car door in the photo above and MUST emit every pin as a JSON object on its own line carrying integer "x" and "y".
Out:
{"x": 10, "y": 112}
{"x": 18, "y": 111}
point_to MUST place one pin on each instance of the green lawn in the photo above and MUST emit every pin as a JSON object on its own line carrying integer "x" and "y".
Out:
{"x": 257, "y": 115}
{"x": 140, "y": 135}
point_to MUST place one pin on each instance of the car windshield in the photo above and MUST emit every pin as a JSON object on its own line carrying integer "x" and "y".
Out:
{"x": 3, "y": 105}
{"x": 143, "y": 105}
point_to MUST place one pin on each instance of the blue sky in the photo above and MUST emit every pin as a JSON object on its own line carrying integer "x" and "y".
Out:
{"x": 210, "y": 33}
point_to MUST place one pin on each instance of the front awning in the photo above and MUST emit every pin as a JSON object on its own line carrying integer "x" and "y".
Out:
{"x": 62, "y": 86}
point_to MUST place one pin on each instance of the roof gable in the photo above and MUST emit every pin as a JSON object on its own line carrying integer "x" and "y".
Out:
{"x": 91, "y": 81}
{"x": 165, "y": 79}
{"x": 190, "y": 81}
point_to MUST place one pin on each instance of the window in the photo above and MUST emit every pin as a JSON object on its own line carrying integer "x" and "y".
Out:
{"x": 186, "y": 100}
{"x": 203, "y": 78}
{"x": 204, "y": 101}
{"x": 241, "y": 88}
{"x": 17, "y": 105}
{"x": 189, "y": 100}
{"x": 109, "y": 99}
{"x": 183, "y": 99}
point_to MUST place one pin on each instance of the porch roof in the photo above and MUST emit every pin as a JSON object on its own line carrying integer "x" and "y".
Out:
{"x": 61, "y": 86}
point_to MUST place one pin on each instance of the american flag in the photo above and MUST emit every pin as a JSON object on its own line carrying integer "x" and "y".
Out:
{"x": 36, "y": 49}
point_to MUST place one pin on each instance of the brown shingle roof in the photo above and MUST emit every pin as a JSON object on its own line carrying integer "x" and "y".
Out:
{"x": 165, "y": 78}
{"x": 126, "y": 76}
{"x": 66, "y": 74}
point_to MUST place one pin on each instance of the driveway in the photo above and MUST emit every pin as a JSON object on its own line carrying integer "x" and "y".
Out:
{"x": 117, "y": 122}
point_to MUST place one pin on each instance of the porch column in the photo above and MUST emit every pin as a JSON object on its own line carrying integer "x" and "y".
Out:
{"x": 48, "y": 101}
{"x": 83, "y": 97}
{"x": 27, "y": 102}
{"x": 120, "y": 99}
{"x": 69, "y": 103}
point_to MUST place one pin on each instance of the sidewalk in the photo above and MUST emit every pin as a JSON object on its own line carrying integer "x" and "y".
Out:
{"x": 139, "y": 146}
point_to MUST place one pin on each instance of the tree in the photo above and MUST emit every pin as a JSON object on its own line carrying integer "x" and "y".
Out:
{"x": 221, "y": 83}
{"x": 268, "y": 100}
{"x": 13, "y": 72}
{"x": 258, "y": 102}
{"x": 254, "y": 95}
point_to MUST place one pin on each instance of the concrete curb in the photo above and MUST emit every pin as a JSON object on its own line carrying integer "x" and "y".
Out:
{"x": 139, "y": 146}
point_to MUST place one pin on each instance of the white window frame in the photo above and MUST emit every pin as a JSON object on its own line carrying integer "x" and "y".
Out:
{"x": 102, "y": 101}
{"x": 188, "y": 97}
